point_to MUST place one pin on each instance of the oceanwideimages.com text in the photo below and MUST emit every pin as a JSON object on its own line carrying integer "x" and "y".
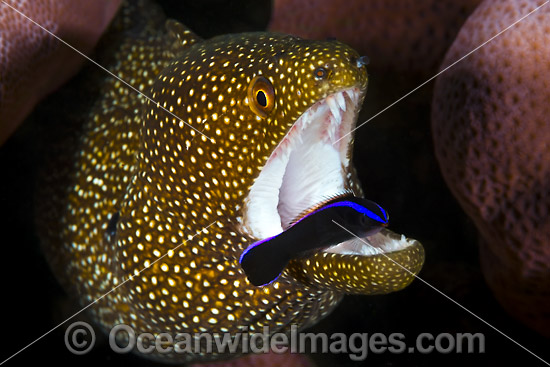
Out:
{"x": 80, "y": 338}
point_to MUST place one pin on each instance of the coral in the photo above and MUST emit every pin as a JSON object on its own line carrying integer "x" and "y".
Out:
{"x": 399, "y": 35}
{"x": 491, "y": 129}
{"x": 32, "y": 62}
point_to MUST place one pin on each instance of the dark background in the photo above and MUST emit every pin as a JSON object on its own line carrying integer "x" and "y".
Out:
{"x": 397, "y": 167}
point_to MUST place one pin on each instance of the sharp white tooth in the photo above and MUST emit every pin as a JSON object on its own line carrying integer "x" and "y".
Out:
{"x": 341, "y": 101}
{"x": 333, "y": 107}
{"x": 332, "y": 123}
{"x": 330, "y": 131}
{"x": 352, "y": 95}
{"x": 340, "y": 117}
{"x": 305, "y": 120}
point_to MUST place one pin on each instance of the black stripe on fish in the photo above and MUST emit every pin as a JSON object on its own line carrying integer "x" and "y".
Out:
{"x": 264, "y": 260}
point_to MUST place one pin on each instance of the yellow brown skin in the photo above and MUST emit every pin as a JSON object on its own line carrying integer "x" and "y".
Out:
{"x": 180, "y": 196}
{"x": 356, "y": 274}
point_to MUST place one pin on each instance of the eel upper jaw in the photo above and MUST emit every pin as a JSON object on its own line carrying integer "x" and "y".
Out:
{"x": 310, "y": 165}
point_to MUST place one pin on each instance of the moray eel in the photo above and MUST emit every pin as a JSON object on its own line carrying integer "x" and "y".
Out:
{"x": 264, "y": 260}
{"x": 161, "y": 197}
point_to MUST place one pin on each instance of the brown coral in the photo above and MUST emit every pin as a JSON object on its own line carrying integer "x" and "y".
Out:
{"x": 491, "y": 128}
{"x": 32, "y": 62}
{"x": 399, "y": 35}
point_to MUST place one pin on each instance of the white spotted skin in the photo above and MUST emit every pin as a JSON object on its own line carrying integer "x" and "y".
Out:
{"x": 169, "y": 182}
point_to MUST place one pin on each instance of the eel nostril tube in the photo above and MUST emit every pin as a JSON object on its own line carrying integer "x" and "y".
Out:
{"x": 363, "y": 61}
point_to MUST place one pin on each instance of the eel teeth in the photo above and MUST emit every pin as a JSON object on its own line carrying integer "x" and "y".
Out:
{"x": 353, "y": 96}
{"x": 334, "y": 109}
{"x": 305, "y": 119}
{"x": 341, "y": 101}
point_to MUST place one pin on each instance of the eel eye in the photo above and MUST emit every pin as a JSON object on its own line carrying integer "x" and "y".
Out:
{"x": 261, "y": 96}
{"x": 320, "y": 72}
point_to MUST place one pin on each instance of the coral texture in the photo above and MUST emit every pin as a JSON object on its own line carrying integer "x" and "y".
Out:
{"x": 400, "y": 35}
{"x": 32, "y": 62}
{"x": 491, "y": 128}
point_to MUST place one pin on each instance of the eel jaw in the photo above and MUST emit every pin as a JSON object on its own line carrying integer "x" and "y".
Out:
{"x": 308, "y": 167}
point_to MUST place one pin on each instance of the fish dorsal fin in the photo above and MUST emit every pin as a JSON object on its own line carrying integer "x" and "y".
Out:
{"x": 327, "y": 200}
{"x": 181, "y": 36}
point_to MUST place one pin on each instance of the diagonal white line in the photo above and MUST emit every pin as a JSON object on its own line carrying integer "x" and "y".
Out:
{"x": 443, "y": 294}
{"x": 158, "y": 105}
{"x": 188, "y": 144}
{"x": 444, "y": 70}
{"x": 131, "y": 277}
{"x": 172, "y": 114}
{"x": 105, "y": 69}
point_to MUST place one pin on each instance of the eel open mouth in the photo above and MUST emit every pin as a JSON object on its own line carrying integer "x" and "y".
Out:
{"x": 310, "y": 166}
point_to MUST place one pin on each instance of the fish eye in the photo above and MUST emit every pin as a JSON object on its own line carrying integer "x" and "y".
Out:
{"x": 320, "y": 73}
{"x": 261, "y": 96}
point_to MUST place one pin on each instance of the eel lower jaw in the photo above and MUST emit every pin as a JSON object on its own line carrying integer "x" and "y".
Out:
{"x": 382, "y": 242}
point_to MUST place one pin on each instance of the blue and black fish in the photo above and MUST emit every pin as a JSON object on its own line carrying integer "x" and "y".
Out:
{"x": 264, "y": 260}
